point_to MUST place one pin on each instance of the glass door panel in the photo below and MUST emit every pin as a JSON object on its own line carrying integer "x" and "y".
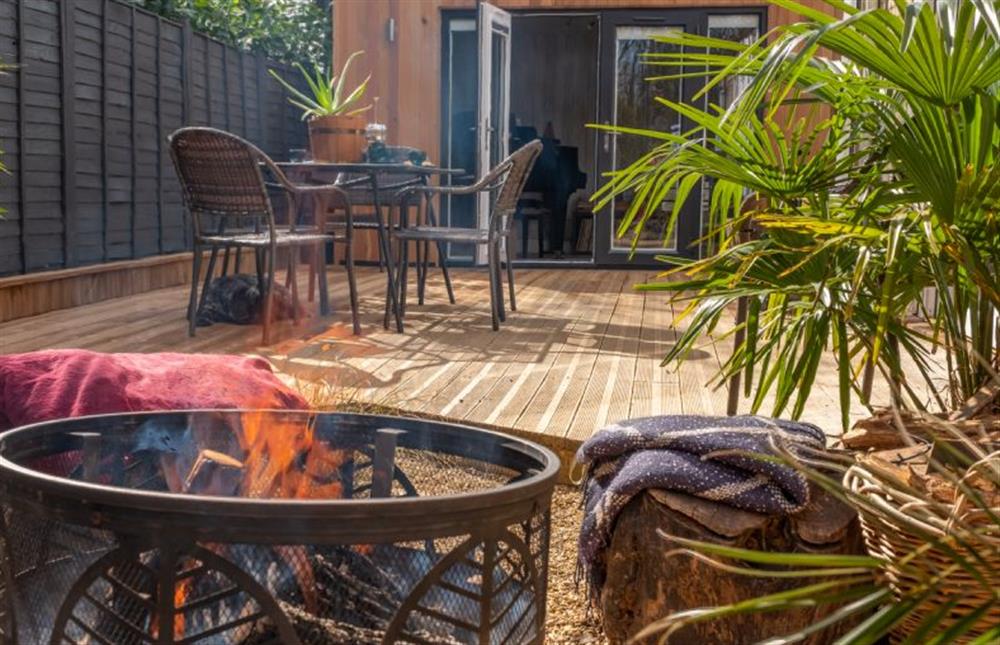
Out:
{"x": 742, "y": 28}
{"x": 635, "y": 106}
{"x": 628, "y": 99}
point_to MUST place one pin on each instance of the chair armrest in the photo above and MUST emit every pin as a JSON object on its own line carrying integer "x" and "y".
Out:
{"x": 478, "y": 187}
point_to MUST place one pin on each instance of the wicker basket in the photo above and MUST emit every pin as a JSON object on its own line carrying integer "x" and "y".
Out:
{"x": 899, "y": 523}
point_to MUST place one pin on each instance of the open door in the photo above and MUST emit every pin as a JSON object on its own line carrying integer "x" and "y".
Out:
{"x": 493, "y": 108}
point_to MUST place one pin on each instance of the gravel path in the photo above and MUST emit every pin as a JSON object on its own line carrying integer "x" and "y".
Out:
{"x": 567, "y": 620}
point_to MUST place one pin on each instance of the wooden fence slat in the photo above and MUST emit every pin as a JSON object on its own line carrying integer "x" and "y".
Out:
{"x": 67, "y": 55}
{"x": 22, "y": 148}
{"x": 159, "y": 135}
{"x": 105, "y": 193}
{"x": 133, "y": 229}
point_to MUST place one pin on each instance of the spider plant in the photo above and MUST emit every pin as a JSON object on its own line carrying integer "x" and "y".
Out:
{"x": 864, "y": 155}
{"x": 326, "y": 95}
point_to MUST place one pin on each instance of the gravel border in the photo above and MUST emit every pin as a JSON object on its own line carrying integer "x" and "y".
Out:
{"x": 567, "y": 620}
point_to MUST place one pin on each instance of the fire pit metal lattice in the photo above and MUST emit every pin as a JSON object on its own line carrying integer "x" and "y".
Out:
{"x": 253, "y": 527}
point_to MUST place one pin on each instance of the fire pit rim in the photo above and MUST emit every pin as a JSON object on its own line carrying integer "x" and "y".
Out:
{"x": 101, "y": 501}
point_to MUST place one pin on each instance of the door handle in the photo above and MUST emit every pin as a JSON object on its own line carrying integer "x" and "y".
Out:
{"x": 607, "y": 138}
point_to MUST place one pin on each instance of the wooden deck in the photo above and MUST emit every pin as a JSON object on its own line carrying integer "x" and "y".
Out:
{"x": 582, "y": 351}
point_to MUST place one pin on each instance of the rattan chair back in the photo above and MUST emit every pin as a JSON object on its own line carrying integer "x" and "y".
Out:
{"x": 509, "y": 177}
{"x": 220, "y": 175}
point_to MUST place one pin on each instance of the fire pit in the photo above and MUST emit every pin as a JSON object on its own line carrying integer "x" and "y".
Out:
{"x": 253, "y": 527}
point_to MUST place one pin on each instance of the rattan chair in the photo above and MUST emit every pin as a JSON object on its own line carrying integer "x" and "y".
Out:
{"x": 222, "y": 180}
{"x": 507, "y": 180}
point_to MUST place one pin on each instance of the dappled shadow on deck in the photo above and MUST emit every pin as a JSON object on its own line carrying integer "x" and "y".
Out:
{"x": 583, "y": 350}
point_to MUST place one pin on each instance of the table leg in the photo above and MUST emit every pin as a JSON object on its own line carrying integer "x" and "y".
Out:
{"x": 392, "y": 300}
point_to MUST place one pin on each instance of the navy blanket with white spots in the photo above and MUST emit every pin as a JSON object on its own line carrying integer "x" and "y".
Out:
{"x": 708, "y": 457}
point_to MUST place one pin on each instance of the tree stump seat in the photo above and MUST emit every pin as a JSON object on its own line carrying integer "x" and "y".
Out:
{"x": 644, "y": 584}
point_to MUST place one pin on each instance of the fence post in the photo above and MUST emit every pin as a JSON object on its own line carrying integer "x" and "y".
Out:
{"x": 67, "y": 61}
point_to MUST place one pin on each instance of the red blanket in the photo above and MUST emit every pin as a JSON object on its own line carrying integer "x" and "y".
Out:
{"x": 67, "y": 383}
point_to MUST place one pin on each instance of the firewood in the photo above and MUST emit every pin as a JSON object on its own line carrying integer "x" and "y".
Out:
{"x": 214, "y": 473}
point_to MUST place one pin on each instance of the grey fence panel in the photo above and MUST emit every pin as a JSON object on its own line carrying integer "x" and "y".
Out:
{"x": 11, "y": 259}
{"x": 98, "y": 85}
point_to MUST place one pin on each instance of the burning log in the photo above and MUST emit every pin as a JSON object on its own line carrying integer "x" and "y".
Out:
{"x": 214, "y": 473}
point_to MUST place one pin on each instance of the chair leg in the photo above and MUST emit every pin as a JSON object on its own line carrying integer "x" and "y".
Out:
{"x": 292, "y": 278}
{"x": 510, "y": 273}
{"x": 192, "y": 313}
{"x": 225, "y": 262}
{"x": 352, "y": 286}
{"x": 315, "y": 265}
{"x": 208, "y": 278}
{"x": 258, "y": 258}
{"x": 499, "y": 281}
{"x": 268, "y": 294}
{"x": 239, "y": 254}
{"x": 382, "y": 259}
{"x": 494, "y": 311}
{"x": 319, "y": 271}
{"x": 423, "y": 250}
{"x": 401, "y": 276}
{"x": 443, "y": 261}
{"x": 525, "y": 229}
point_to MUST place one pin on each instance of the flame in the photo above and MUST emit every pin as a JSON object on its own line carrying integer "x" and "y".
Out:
{"x": 277, "y": 456}
{"x": 181, "y": 591}
{"x": 283, "y": 459}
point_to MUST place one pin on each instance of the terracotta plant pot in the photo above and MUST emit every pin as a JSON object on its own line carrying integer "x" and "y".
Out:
{"x": 337, "y": 138}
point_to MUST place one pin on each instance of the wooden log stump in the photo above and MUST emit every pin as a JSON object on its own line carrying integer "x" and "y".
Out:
{"x": 644, "y": 585}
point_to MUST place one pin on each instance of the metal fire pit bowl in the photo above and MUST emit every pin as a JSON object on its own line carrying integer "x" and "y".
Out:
{"x": 250, "y": 527}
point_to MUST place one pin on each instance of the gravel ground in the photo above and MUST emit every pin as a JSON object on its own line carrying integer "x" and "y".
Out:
{"x": 567, "y": 620}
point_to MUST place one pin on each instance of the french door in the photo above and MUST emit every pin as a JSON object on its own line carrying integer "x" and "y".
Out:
{"x": 629, "y": 99}
{"x": 493, "y": 106}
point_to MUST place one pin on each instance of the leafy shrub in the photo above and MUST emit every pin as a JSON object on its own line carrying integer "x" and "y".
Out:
{"x": 286, "y": 30}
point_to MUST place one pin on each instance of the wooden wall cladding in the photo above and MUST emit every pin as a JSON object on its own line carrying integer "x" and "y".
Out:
{"x": 98, "y": 85}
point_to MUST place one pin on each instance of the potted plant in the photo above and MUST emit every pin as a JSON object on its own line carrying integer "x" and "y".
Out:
{"x": 856, "y": 172}
{"x": 336, "y": 124}
{"x": 863, "y": 155}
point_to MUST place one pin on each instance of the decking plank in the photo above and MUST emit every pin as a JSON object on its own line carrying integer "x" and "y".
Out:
{"x": 583, "y": 350}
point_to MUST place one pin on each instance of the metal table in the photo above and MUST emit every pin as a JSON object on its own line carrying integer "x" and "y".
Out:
{"x": 318, "y": 172}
